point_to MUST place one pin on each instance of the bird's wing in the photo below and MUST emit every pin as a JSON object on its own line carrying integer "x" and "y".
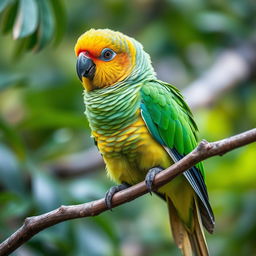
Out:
{"x": 171, "y": 123}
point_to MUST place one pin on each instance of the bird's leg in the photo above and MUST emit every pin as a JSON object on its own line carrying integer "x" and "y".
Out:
{"x": 110, "y": 193}
{"x": 151, "y": 176}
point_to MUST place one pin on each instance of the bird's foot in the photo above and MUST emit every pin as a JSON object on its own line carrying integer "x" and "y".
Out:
{"x": 151, "y": 176}
{"x": 110, "y": 193}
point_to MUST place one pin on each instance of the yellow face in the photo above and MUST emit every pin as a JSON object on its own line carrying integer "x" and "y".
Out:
{"x": 105, "y": 57}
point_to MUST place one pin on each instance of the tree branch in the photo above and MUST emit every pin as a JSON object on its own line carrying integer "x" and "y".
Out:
{"x": 231, "y": 68}
{"x": 77, "y": 164}
{"x": 33, "y": 225}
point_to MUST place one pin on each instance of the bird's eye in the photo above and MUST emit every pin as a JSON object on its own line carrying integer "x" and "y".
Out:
{"x": 107, "y": 54}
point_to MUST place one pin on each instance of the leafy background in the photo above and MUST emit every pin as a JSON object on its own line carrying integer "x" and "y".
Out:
{"x": 42, "y": 121}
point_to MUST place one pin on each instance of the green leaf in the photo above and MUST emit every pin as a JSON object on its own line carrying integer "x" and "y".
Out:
{"x": 83, "y": 190}
{"x": 46, "y": 27}
{"x": 10, "y": 174}
{"x": 211, "y": 21}
{"x": 51, "y": 118}
{"x": 13, "y": 205}
{"x": 92, "y": 240}
{"x": 8, "y": 18}
{"x": 23, "y": 45}
{"x": 27, "y": 19}
{"x": 13, "y": 139}
{"x": 60, "y": 19}
{"x": 108, "y": 226}
{"x": 45, "y": 190}
{"x": 32, "y": 40}
{"x": 4, "y": 4}
{"x": 10, "y": 79}
{"x": 6, "y": 197}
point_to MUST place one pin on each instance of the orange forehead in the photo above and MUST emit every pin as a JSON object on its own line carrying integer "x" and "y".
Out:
{"x": 95, "y": 40}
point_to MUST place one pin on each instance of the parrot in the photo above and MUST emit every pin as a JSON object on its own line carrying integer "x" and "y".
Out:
{"x": 142, "y": 125}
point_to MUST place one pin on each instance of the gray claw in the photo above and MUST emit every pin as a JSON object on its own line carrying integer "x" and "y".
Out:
{"x": 149, "y": 180}
{"x": 111, "y": 192}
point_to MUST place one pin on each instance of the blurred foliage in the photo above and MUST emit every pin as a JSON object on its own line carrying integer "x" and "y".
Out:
{"x": 33, "y": 22}
{"x": 41, "y": 120}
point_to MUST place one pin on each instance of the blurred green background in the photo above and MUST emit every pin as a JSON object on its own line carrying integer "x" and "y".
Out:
{"x": 42, "y": 120}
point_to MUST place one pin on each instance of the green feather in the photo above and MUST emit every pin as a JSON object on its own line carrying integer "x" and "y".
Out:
{"x": 178, "y": 139}
{"x": 151, "y": 126}
{"x": 168, "y": 117}
{"x": 171, "y": 129}
{"x": 164, "y": 123}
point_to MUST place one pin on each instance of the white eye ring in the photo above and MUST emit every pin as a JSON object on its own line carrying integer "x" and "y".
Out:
{"x": 107, "y": 54}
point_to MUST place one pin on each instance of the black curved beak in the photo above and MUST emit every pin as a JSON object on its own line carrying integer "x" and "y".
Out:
{"x": 85, "y": 67}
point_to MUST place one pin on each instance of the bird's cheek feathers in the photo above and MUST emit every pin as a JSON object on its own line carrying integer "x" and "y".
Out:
{"x": 109, "y": 73}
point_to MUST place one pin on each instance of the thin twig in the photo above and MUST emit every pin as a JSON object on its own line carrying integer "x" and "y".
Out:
{"x": 33, "y": 225}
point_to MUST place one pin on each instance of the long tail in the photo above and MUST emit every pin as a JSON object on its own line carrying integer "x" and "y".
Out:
{"x": 189, "y": 241}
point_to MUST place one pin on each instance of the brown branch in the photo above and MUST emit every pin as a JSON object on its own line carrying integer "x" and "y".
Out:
{"x": 33, "y": 225}
{"x": 230, "y": 69}
{"x": 77, "y": 164}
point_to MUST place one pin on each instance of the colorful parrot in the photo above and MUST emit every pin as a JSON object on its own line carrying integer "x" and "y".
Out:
{"x": 141, "y": 126}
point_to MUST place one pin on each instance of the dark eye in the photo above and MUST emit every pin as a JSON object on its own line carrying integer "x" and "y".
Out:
{"x": 107, "y": 54}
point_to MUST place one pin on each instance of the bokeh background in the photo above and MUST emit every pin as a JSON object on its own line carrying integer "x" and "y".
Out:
{"x": 42, "y": 121}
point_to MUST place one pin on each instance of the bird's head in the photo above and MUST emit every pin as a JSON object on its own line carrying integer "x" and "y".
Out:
{"x": 104, "y": 58}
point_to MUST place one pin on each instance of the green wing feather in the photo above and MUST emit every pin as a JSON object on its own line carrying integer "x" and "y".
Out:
{"x": 171, "y": 123}
{"x": 171, "y": 115}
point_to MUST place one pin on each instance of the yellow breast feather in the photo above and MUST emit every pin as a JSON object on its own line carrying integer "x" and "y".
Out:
{"x": 131, "y": 152}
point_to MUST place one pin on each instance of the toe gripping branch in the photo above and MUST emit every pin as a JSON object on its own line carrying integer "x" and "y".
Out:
{"x": 151, "y": 176}
{"x": 112, "y": 191}
{"x": 149, "y": 183}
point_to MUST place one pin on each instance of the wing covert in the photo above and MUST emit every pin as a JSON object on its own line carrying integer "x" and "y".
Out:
{"x": 171, "y": 123}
